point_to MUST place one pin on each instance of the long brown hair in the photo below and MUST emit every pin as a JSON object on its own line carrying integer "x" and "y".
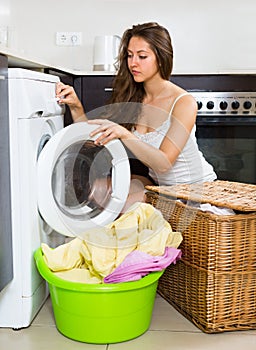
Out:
{"x": 125, "y": 89}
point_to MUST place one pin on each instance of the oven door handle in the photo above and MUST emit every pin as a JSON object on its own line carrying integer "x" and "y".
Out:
{"x": 225, "y": 121}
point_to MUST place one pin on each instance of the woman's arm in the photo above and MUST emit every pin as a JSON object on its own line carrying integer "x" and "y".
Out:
{"x": 160, "y": 160}
{"x": 183, "y": 120}
{"x": 67, "y": 95}
{"x": 147, "y": 154}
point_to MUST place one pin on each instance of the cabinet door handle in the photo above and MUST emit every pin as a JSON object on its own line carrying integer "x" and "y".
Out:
{"x": 108, "y": 89}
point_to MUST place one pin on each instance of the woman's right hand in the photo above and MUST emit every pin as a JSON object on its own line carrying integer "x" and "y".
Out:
{"x": 67, "y": 95}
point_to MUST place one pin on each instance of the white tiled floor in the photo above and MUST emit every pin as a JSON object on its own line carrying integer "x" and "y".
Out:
{"x": 168, "y": 330}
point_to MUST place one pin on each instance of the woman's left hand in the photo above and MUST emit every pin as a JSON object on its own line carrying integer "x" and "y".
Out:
{"x": 109, "y": 131}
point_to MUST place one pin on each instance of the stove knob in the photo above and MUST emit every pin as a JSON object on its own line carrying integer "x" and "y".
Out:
{"x": 210, "y": 105}
{"x": 247, "y": 105}
{"x": 223, "y": 105}
{"x": 199, "y": 105}
{"x": 235, "y": 104}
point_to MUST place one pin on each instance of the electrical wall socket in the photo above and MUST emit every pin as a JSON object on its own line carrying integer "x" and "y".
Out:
{"x": 68, "y": 38}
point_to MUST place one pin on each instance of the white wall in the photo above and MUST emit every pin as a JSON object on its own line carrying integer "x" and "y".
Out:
{"x": 208, "y": 36}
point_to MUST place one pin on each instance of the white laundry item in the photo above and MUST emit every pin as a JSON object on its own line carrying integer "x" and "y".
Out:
{"x": 216, "y": 210}
{"x": 209, "y": 207}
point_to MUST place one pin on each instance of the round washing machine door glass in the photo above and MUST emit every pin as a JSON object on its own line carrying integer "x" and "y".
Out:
{"x": 81, "y": 185}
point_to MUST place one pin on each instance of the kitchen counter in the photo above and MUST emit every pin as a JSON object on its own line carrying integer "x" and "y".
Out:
{"x": 16, "y": 59}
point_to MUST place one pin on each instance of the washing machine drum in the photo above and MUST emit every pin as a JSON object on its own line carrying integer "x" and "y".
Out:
{"x": 81, "y": 185}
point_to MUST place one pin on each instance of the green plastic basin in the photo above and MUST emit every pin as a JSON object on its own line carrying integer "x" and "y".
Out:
{"x": 100, "y": 313}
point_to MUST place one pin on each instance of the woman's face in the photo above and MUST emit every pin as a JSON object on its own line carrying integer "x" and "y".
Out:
{"x": 141, "y": 60}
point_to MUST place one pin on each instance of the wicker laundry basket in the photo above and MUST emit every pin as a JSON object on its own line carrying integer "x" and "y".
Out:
{"x": 214, "y": 283}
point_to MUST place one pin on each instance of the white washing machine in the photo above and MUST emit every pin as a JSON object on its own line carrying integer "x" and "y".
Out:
{"x": 61, "y": 185}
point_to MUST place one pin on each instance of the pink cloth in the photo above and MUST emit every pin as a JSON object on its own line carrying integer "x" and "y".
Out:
{"x": 138, "y": 264}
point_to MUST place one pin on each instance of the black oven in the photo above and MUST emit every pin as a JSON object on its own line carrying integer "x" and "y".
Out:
{"x": 226, "y": 122}
{"x": 226, "y": 133}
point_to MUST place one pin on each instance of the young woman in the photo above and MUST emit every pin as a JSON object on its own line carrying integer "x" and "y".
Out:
{"x": 154, "y": 118}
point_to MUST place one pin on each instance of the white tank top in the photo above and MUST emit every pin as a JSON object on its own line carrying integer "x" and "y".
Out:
{"x": 189, "y": 167}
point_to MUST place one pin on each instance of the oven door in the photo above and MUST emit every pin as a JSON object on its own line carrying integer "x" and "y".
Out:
{"x": 81, "y": 185}
{"x": 229, "y": 144}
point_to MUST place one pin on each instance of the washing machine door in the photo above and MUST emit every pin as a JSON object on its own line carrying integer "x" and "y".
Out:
{"x": 81, "y": 185}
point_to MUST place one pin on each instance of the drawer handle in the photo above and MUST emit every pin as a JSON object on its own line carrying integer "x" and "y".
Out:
{"x": 108, "y": 89}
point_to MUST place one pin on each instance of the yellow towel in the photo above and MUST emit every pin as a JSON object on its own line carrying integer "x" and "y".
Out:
{"x": 101, "y": 250}
{"x": 79, "y": 275}
{"x": 65, "y": 257}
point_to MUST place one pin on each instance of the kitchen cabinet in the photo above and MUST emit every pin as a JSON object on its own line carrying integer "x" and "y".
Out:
{"x": 94, "y": 90}
{"x": 6, "y": 267}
